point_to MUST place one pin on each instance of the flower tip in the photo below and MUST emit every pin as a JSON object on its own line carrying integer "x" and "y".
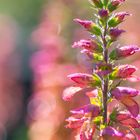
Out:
{"x": 76, "y": 20}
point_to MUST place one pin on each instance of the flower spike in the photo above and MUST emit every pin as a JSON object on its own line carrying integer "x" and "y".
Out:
{"x": 102, "y": 118}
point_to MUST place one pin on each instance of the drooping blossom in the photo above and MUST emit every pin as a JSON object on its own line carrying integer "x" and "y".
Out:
{"x": 124, "y": 95}
{"x": 83, "y": 79}
{"x": 127, "y": 120}
{"x": 123, "y": 71}
{"x": 89, "y": 25}
{"x": 121, "y": 15}
{"x": 82, "y": 118}
{"x": 124, "y": 52}
{"x": 88, "y": 45}
{"x": 117, "y": 19}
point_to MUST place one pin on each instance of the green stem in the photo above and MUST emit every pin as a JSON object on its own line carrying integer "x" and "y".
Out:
{"x": 105, "y": 83}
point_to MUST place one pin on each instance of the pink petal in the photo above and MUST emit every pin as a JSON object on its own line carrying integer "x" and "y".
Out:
{"x": 133, "y": 78}
{"x": 127, "y": 120}
{"x": 131, "y": 105}
{"x": 82, "y": 79}
{"x": 69, "y": 92}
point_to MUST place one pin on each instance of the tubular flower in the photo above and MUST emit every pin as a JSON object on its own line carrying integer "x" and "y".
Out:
{"x": 123, "y": 71}
{"x": 84, "y": 80}
{"x": 124, "y": 95}
{"x": 115, "y": 33}
{"x": 88, "y": 45}
{"x": 90, "y": 26}
{"x": 124, "y": 52}
{"x": 117, "y": 19}
{"x": 127, "y": 120}
{"x": 121, "y": 15}
{"x": 82, "y": 118}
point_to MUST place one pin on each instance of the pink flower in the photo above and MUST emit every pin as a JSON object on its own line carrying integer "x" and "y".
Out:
{"x": 125, "y": 71}
{"x": 69, "y": 92}
{"x": 116, "y": 3}
{"x": 88, "y": 45}
{"x": 92, "y": 109}
{"x": 83, "y": 118}
{"x": 123, "y": 52}
{"x": 124, "y": 95}
{"x": 115, "y": 33}
{"x": 86, "y": 23}
{"x": 90, "y": 26}
{"x": 127, "y": 120}
{"x": 121, "y": 15}
{"x": 83, "y": 79}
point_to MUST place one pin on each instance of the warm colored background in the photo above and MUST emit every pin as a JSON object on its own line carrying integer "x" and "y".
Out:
{"x": 35, "y": 57}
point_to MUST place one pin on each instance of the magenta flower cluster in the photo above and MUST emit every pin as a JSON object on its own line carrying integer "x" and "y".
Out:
{"x": 96, "y": 121}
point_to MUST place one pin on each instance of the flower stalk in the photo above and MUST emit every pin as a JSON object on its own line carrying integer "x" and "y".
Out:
{"x": 103, "y": 85}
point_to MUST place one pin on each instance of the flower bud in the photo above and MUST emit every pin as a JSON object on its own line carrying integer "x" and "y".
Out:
{"x": 113, "y": 5}
{"x": 88, "y": 45}
{"x": 118, "y": 18}
{"x": 115, "y": 33}
{"x": 90, "y": 26}
{"x": 97, "y": 3}
{"x": 103, "y": 13}
{"x": 124, "y": 52}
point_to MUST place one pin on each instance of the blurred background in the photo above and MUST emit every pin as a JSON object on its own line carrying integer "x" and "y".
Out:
{"x": 35, "y": 58}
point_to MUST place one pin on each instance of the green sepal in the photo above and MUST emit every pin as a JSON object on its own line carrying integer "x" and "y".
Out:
{"x": 94, "y": 101}
{"x": 97, "y": 57}
{"x": 98, "y": 120}
{"x": 96, "y": 30}
{"x": 111, "y": 8}
{"x": 113, "y": 115}
{"x": 113, "y": 75}
{"x": 97, "y": 79}
{"x": 113, "y": 55}
{"x": 97, "y": 3}
{"x": 113, "y": 22}
{"x": 105, "y": 2}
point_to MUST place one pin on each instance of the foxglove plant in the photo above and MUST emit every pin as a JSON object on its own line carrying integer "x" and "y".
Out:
{"x": 103, "y": 85}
